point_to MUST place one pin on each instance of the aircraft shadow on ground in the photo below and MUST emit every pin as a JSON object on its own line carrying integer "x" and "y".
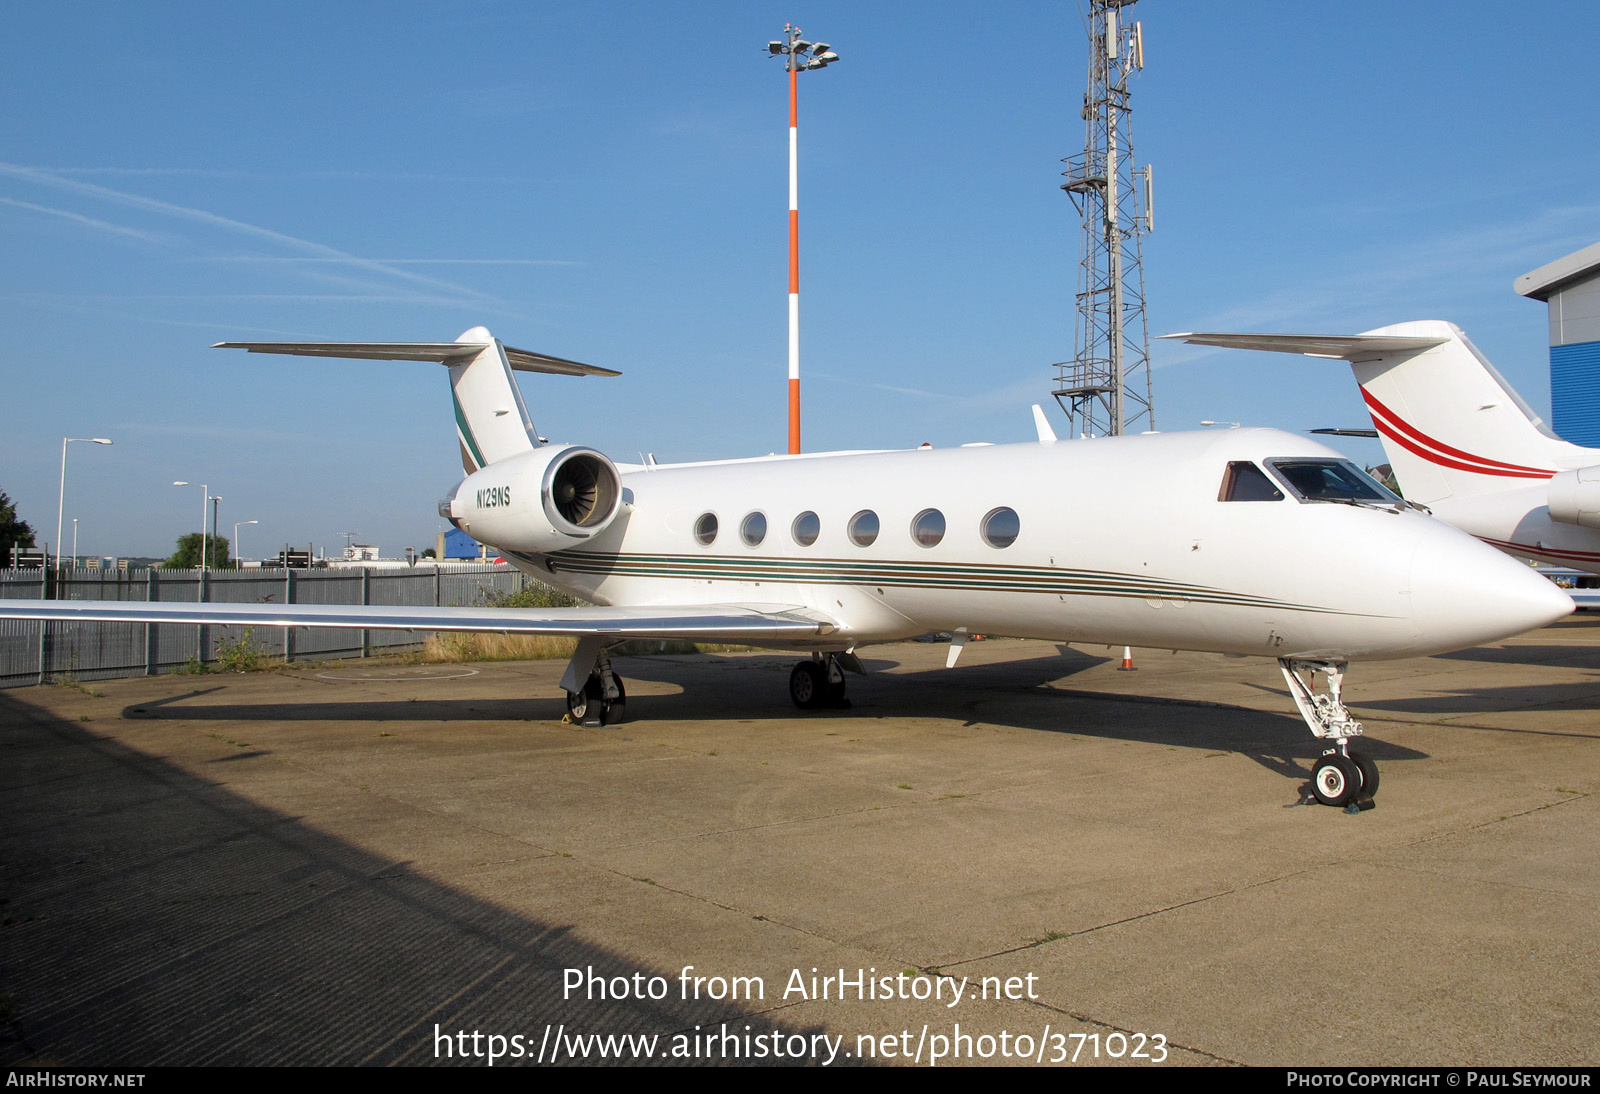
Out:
{"x": 1498, "y": 700}
{"x": 1572, "y": 656}
{"x": 155, "y": 917}
{"x": 1022, "y": 694}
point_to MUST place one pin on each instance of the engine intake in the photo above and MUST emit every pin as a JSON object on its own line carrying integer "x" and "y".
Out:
{"x": 582, "y": 489}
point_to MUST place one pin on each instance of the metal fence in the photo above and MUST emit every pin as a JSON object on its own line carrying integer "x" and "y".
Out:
{"x": 35, "y": 652}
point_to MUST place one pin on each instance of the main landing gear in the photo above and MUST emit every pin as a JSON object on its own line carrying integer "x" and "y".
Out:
{"x": 596, "y": 697}
{"x": 819, "y": 682}
{"x": 602, "y": 700}
{"x": 1340, "y": 776}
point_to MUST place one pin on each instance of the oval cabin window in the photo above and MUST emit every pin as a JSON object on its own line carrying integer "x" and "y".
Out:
{"x": 806, "y": 529}
{"x": 1000, "y": 527}
{"x": 705, "y": 529}
{"x": 864, "y": 528}
{"x": 754, "y": 529}
{"x": 927, "y": 528}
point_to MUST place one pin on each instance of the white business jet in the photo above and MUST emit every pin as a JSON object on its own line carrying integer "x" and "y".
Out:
{"x": 1247, "y": 542}
{"x": 1460, "y": 440}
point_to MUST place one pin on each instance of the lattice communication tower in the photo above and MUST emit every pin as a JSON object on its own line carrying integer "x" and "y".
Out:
{"x": 1105, "y": 388}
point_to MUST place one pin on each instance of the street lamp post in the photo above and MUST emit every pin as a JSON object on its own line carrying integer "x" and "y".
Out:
{"x": 798, "y": 55}
{"x": 74, "y": 543}
{"x": 215, "y": 501}
{"x": 61, "y": 501}
{"x": 236, "y": 525}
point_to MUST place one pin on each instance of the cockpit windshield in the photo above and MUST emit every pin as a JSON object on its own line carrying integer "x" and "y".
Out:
{"x": 1330, "y": 480}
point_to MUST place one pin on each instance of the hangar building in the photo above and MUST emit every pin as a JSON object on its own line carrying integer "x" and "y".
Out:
{"x": 1571, "y": 288}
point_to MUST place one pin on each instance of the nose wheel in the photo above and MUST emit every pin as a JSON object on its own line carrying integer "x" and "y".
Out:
{"x": 1345, "y": 779}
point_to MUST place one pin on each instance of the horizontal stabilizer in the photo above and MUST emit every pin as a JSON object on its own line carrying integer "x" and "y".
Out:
{"x": 713, "y": 622}
{"x": 443, "y": 353}
{"x": 1348, "y": 347}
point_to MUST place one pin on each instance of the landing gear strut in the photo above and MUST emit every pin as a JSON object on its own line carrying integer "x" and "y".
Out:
{"x": 602, "y": 701}
{"x": 818, "y": 683}
{"x": 1340, "y": 776}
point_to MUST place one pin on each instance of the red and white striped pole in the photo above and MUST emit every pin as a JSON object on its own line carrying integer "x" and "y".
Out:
{"x": 794, "y": 255}
{"x": 798, "y": 54}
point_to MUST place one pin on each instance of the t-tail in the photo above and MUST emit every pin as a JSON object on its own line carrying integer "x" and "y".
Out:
{"x": 492, "y": 421}
{"x": 1450, "y": 424}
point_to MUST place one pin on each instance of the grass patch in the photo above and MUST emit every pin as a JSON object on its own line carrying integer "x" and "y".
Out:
{"x": 67, "y": 680}
{"x": 242, "y": 655}
{"x": 457, "y": 646}
{"x": 454, "y": 646}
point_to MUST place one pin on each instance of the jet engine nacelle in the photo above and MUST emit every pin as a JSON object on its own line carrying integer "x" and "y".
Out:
{"x": 1574, "y": 497}
{"x": 540, "y": 501}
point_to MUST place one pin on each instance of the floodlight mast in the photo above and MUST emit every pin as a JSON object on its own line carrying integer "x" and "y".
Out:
{"x": 798, "y": 55}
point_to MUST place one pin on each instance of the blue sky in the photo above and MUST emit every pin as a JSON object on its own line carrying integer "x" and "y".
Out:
{"x": 607, "y": 182}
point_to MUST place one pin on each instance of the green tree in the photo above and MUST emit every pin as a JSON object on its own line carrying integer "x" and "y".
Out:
{"x": 187, "y": 556}
{"x": 13, "y": 532}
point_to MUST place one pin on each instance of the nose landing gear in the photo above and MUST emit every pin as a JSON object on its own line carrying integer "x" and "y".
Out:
{"x": 1340, "y": 776}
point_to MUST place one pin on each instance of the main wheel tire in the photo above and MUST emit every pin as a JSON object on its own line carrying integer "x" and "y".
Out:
{"x": 1369, "y": 774}
{"x": 1335, "y": 780}
{"x": 615, "y": 710}
{"x": 808, "y": 685}
{"x": 587, "y": 707}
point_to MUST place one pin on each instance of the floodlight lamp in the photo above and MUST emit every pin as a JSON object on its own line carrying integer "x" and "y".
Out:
{"x": 820, "y": 47}
{"x": 775, "y": 48}
{"x": 828, "y": 57}
{"x": 816, "y": 64}
{"x": 801, "y": 46}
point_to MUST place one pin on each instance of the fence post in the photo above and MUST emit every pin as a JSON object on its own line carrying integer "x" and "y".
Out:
{"x": 150, "y": 580}
{"x": 200, "y": 631}
{"x": 288, "y": 598}
{"x": 44, "y": 594}
{"x": 366, "y": 600}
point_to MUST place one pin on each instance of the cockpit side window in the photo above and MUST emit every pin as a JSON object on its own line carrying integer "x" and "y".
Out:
{"x": 1244, "y": 481}
{"x": 1330, "y": 480}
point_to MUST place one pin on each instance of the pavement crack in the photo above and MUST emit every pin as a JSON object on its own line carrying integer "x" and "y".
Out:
{"x": 1091, "y": 1020}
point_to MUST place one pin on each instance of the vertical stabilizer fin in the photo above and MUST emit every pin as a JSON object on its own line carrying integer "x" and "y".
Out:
{"x": 1450, "y": 424}
{"x": 492, "y": 421}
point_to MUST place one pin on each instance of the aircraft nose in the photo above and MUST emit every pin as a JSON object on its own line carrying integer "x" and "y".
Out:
{"x": 1465, "y": 593}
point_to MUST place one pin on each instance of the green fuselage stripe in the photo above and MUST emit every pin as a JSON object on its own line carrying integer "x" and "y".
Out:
{"x": 466, "y": 431}
{"x": 905, "y": 575}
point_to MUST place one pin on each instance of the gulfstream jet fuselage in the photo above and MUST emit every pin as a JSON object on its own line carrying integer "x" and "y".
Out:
{"x": 1250, "y": 542}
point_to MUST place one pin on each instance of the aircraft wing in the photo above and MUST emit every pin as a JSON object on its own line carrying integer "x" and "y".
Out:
{"x": 441, "y": 352}
{"x": 752, "y": 623}
{"x": 1348, "y": 347}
